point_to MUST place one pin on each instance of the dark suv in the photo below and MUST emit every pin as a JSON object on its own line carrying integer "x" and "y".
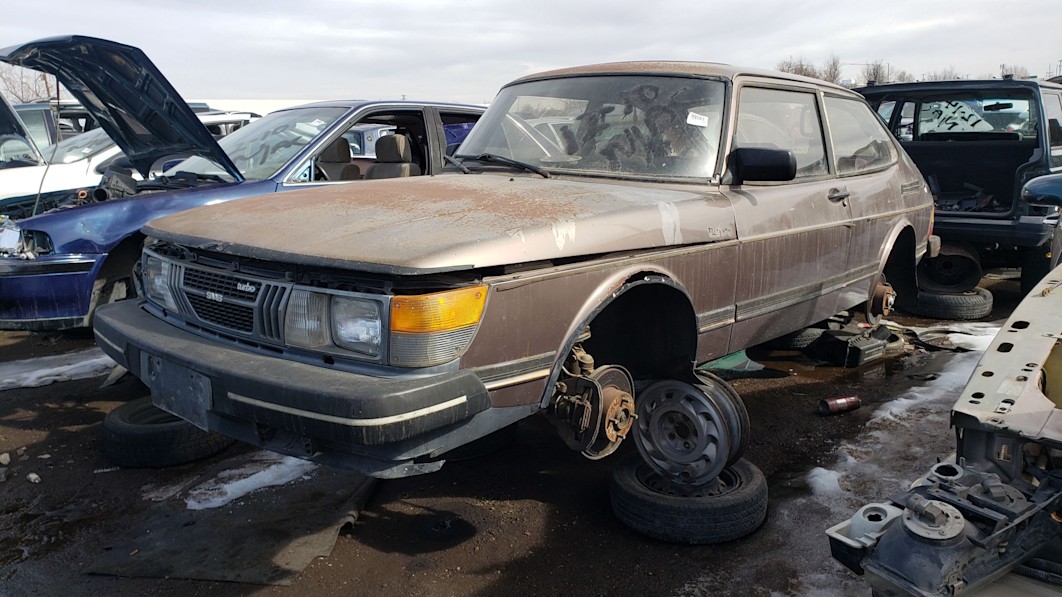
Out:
{"x": 977, "y": 143}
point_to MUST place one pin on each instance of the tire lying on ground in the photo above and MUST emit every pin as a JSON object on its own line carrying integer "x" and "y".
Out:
{"x": 138, "y": 434}
{"x": 646, "y": 503}
{"x": 972, "y": 304}
{"x": 797, "y": 340}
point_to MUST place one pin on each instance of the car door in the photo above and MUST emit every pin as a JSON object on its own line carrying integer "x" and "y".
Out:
{"x": 794, "y": 235}
{"x": 867, "y": 167}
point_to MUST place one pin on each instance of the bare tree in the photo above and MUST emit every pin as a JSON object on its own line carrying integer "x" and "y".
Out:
{"x": 831, "y": 69}
{"x": 23, "y": 85}
{"x": 798, "y": 66}
{"x": 1019, "y": 71}
{"x": 877, "y": 71}
{"x": 945, "y": 74}
{"x": 901, "y": 76}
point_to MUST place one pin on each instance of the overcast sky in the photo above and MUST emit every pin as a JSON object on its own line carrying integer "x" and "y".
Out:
{"x": 464, "y": 51}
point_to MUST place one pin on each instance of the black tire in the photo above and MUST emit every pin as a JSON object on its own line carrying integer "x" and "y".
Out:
{"x": 736, "y": 511}
{"x": 956, "y": 269}
{"x": 1039, "y": 261}
{"x": 973, "y": 304}
{"x": 797, "y": 340}
{"x": 138, "y": 434}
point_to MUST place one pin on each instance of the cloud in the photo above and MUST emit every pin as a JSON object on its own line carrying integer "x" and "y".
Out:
{"x": 464, "y": 51}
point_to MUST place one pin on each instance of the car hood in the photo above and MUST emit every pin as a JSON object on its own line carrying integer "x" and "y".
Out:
{"x": 11, "y": 125}
{"x": 452, "y": 222}
{"x": 126, "y": 94}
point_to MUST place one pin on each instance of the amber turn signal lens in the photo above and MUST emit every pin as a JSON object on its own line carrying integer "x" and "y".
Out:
{"x": 439, "y": 311}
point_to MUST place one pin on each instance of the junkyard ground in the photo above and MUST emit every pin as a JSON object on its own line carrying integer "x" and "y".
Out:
{"x": 531, "y": 519}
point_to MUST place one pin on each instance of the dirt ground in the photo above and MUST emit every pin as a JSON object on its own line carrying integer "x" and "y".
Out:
{"x": 530, "y": 519}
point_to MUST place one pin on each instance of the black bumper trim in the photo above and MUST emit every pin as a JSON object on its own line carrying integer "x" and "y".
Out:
{"x": 324, "y": 406}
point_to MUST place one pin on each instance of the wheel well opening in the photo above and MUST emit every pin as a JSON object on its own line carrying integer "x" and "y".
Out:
{"x": 650, "y": 329}
{"x": 121, "y": 259}
{"x": 900, "y": 269}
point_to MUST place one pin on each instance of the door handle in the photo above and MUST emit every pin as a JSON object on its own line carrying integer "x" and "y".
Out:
{"x": 836, "y": 195}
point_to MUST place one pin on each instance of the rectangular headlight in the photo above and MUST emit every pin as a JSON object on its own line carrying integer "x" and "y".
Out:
{"x": 156, "y": 277}
{"x": 356, "y": 325}
{"x": 306, "y": 320}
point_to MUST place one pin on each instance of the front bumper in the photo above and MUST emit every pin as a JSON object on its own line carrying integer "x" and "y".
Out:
{"x": 377, "y": 425}
{"x": 48, "y": 293}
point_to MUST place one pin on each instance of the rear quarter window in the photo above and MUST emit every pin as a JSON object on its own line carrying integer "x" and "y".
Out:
{"x": 1053, "y": 110}
{"x": 860, "y": 142}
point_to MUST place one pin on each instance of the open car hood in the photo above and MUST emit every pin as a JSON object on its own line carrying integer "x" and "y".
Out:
{"x": 126, "y": 94}
{"x": 11, "y": 127}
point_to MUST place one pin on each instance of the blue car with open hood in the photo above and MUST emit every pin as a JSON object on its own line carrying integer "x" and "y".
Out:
{"x": 78, "y": 248}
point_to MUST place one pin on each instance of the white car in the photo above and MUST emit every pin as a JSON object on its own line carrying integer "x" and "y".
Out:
{"x": 79, "y": 162}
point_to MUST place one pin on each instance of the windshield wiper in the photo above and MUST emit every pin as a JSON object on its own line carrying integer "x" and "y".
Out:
{"x": 450, "y": 160}
{"x": 497, "y": 159}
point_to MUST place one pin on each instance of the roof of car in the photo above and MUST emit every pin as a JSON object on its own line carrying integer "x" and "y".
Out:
{"x": 955, "y": 84}
{"x": 357, "y": 103}
{"x": 679, "y": 68}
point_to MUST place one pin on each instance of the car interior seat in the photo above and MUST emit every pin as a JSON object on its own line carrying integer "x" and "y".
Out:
{"x": 393, "y": 158}
{"x": 335, "y": 161}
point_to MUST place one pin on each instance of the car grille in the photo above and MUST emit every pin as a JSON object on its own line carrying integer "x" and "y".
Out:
{"x": 235, "y": 303}
{"x": 232, "y": 316}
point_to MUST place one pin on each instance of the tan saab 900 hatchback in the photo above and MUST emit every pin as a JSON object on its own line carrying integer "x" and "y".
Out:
{"x": 604, "y": 230}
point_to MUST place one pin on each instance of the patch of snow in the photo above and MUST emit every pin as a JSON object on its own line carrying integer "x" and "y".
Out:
{"x": 268, "y": 469}
{"x": 951, "y": 380}
{"x": 32, "y": 373}
{"x": 823, "y": 481}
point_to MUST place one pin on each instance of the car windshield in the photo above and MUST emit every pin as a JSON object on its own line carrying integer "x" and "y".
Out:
{"x": 80, "y": 147}
{"x": 613, "y": 125}
{"x": 260, "y": 149}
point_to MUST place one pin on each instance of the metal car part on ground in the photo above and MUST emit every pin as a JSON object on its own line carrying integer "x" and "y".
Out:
{"x": 977, "y": 143}
{"x": 57, "y": 267}
{"x": 973, "y": 518}
{"x": 580, "y": 274}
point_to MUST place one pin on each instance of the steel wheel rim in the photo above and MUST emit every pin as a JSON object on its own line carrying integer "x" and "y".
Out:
{"x": 726, "y": 482}
{"x": 682, "y": 433}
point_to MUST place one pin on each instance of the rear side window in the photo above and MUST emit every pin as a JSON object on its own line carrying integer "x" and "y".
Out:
{"x": 1053, "y": 108}
{"x": 859, "y": 141}
{"x": 777, "y": 119}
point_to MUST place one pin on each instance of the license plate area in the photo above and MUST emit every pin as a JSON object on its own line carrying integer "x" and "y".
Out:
{"x": 177, "y": 389}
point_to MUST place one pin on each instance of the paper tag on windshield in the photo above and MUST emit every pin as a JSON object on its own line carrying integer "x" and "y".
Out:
{"x": 696, "y": 119}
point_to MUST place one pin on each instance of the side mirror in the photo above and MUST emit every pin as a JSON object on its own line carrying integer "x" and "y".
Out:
{"x": 1045, "y": 191}
{"x": 761, "y": 164}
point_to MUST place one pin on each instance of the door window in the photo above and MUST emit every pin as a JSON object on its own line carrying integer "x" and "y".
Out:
{"x": 777, "y": 119}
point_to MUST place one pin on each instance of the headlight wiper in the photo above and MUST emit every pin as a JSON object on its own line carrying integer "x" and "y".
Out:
{"x": 497, "y": 159}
